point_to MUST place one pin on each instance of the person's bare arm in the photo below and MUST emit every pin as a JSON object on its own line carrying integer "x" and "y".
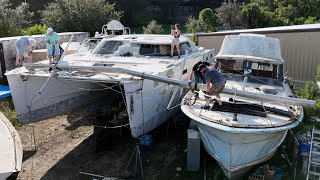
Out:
{"x": 208, "y": 87}
{"x": 191, "y": 75}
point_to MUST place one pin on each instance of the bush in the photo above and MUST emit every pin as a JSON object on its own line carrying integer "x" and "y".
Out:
{"x": 229, "y": 14}
{"x": 208, "y": 20}
{"x": 152, "y": 28}
{"x": 12, "y": 21}
{"x": 36, "y": 29}
{"x": 79, "y": 15}
{"x": 7, "y": 108}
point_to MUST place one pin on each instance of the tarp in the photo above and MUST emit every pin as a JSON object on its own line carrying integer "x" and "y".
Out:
{"x": 4, "y": 91}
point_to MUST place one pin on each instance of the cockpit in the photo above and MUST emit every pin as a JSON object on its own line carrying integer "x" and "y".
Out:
{"x": 251, "y": 71}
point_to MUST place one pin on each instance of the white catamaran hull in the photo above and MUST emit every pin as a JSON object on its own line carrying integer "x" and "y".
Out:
{"x": 147, "y": 100}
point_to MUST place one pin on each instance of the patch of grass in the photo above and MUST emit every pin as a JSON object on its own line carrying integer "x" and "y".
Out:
{"x": 7, "y": 108}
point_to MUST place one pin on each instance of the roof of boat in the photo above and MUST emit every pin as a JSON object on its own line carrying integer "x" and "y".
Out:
{"x": 148, "y": 38}
{"x": 252, "y": 47}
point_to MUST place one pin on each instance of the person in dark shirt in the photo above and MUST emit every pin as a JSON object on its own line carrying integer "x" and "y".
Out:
{"x": 217, "y": 82}
{"x": 198, "y": 76}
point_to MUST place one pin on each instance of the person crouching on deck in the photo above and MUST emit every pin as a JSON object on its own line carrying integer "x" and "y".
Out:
{"x": 53, "y": 49}
{"x": 24, "y": 47}
{"x": 198, "y": 76}
{"x": 217, "y": 82}
{"x": 175, "y": 31}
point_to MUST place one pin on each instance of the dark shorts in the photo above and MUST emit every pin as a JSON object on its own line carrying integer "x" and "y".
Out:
{"x": 217, "y": 88}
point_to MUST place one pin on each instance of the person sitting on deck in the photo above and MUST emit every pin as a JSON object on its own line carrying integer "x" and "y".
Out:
{"x": 24, "y": 47}
{"x": 217, "y": 82}
{"x": 53, "y": 49}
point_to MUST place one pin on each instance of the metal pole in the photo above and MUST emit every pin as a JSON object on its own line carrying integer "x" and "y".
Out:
{"x": 184, "y": 84}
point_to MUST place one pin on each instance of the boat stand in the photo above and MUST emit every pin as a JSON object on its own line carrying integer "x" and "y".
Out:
{"x": 137, "y": 154}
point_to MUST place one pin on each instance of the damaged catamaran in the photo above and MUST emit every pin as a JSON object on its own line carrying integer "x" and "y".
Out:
{"x": 84, "y": 77}
{"x": 247, "y": 130}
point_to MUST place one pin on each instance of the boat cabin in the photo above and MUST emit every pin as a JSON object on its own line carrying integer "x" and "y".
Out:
{"x": 251, "y": 61}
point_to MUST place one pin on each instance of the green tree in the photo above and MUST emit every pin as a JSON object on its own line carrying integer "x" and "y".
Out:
{"x": 229, "y": 13}
{"x": 152, "y": 28}
{"x": 79, "y": 15}
{"x": 13, "y": 20}
{"x": 208, "y": 20}
{"x": 193, "y": 26}
{"x": 252, "y": 16}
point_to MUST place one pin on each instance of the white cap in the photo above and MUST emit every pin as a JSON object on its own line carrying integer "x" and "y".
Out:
{"x": 32, "y": 41}
{"x": 49, "y": 30}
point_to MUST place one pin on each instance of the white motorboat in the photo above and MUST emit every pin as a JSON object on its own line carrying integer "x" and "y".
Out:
{"x": 246, "y": 129}
{"x": 10, "y": 149}
{"x": 108, "y": 73}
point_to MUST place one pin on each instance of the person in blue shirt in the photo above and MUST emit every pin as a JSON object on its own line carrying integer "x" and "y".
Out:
{"x": 216, "y": 80}
{"x": 24, "y": 47}
{"x": 53, "y": 49}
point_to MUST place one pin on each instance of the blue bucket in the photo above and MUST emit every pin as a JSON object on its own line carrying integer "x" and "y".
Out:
{"x": 278, "y": 173}
{"x": 303, "y": 147}
{"x": 146, "y": 140}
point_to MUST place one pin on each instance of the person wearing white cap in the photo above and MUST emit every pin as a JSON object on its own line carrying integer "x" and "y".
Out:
{"x": 53, "y": 49}
{"x": 24, "y": 47}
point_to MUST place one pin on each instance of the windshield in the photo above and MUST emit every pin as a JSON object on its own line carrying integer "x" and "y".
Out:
{"x": 107, "y": 47}
{"x": 257, "y": 72}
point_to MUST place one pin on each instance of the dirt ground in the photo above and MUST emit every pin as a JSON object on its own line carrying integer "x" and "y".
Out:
{"x": 64, "y": 146}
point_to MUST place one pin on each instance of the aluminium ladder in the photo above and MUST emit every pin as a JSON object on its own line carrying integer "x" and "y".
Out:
{"x": 313, "y": 172}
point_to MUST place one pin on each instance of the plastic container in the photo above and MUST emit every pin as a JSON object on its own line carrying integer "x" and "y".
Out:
{"x": 278, "y": 173}
{"x": 146, "y": 140}
{"x": 303, "y": 147}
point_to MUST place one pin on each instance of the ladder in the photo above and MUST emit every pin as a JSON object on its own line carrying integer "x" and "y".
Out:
{"x": 313, "y": 172}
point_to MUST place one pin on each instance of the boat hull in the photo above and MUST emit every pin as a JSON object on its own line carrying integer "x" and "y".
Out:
{"x": 238, "y": 152}
{"x": 10, "y": 149}
{"x": 58, "y": 97}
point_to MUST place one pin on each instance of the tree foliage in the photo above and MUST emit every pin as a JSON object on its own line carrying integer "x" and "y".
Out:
{"x": 13, "y": 20}
{"x": 251, "y": 16}
{"x": 229, "y": 13}
{"x": 280, "y": 12}
{"x": 152, "y": 28}
{"x": 79, "y": 15}
{"x": 36, "y": 29}
{"x": 208, "y": 20}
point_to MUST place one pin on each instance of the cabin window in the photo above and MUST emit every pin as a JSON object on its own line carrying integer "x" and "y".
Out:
{"x": 231, "y": 66}
{"x": 163, "y": 49}
{"x": 185, "y": 47}
{"x": 264, "y": 70}
{"x": 107, "y": 47}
